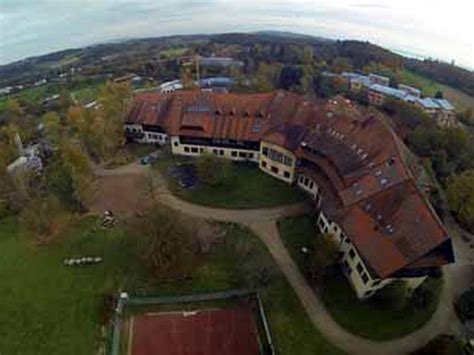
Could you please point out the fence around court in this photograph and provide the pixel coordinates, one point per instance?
(124, 301)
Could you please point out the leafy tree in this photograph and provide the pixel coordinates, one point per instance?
(77, 166)
(406, 115)
(267, 75)
(330, 86)
(100, 130)
(455, 140)
(52, 127)
(13, 110)
(290, 77)
(212, 170)
(341, 64)
(59, 181)
(167, 247)
(39, 217)
(439, 94)
(24, 125)
(322, 257)
(460, 194)
(464, 305)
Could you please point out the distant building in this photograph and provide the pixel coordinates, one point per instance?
(410, 90)
(439, 109)
(171, 86)
(379, 79)
(378, 93)
(377, 90)
(223, 62)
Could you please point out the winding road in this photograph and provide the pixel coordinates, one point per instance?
(262, 222)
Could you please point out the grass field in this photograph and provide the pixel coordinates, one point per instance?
(48, 308)
(86, 95)
(428, 87)
(370, 320)
(244, 187)
(174, 52)
(365, 318)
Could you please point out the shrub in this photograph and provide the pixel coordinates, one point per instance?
(167, 247)
(461, 198)
(212, 170)
(464, 305)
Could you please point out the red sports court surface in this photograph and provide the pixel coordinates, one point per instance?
(206, 332)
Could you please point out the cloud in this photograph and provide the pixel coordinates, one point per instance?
(435, 28)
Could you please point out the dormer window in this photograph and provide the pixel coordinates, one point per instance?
(259, 114)
(232, 112)
(217, 112)
(246, 114)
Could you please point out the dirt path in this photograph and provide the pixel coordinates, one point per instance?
(121, 188)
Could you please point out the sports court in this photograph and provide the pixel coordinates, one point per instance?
(230, 331)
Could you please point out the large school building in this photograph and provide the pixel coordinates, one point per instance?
(351, 164)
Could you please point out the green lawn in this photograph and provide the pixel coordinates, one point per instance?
(173, 52)
(86, 95)
(365, 318)
(428, 86)
(244, 187)
(48, 308)
(370, 320)
(297, 232)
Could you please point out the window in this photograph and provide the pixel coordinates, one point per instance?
(201, 150)
(274, 169)
(321, 224)
(359, 268)
(127, 129)
(287, 161)
(311, 184)
(214, 151)
(265, 151)
(250, 155)
(234, 153)
(364, 277)
(306, 181)
(242, 155)
(186, 149)
(264, 164)
(176, 144)
(221, 152)
(352, 253)
(368, 293)
(275, 156)
(194, 150)
(376, 283)
(286, 174)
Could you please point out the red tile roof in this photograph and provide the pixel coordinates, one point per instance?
(378, 204)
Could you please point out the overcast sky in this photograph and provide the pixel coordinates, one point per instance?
(439, 29)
